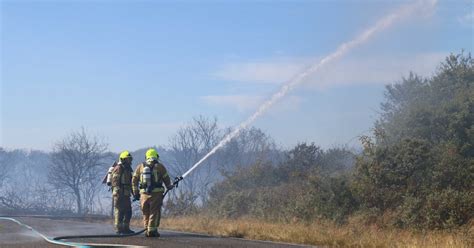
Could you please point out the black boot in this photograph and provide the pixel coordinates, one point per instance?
(118, 230)
(152, 234)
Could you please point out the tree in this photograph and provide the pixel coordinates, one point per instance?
(36, 196)
(304, 159)
(194, 141)
(76, 163)
(250, 146)
(420, 163)
(308, 184)
(189, 145)
(4, 157)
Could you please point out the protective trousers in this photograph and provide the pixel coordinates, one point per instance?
(122, 212)
(151, 209)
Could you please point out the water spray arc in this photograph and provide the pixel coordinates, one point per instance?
(380, 25)
(344, 48)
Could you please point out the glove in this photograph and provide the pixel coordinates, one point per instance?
(109, 184)
(170, 187)
(136, 197)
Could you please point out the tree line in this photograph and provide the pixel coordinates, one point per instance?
(416, 169)
(68, 179)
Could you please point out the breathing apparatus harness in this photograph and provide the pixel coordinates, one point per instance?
(149, 182)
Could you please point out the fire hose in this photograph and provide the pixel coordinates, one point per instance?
(59, 240)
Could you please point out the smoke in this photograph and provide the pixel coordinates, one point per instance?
(422, 6)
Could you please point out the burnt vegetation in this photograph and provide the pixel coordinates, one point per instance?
(415, 170)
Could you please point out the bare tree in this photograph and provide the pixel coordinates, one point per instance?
(75, 167)
(36, 198)
(189, 145)
(194, 141)
(250, 146)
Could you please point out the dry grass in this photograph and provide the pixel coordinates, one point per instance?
(321, 233)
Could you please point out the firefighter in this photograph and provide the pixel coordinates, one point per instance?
(147, 184)
(121, 181)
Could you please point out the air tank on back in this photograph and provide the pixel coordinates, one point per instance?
(147, 179)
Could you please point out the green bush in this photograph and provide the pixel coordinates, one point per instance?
(420, 164)
(417, 170)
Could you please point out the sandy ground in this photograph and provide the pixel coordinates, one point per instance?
(13, 235)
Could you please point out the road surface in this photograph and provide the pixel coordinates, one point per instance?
(13, 235)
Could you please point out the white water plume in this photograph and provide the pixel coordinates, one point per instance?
(405, 11)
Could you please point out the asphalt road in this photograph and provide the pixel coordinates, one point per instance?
(13, 235)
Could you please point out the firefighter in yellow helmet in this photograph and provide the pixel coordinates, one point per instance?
(121, 182)
(147, 183)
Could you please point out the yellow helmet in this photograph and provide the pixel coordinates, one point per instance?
(151, 154)
(124, 155)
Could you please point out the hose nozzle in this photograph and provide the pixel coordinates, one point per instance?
(175, 184)
(176, 180)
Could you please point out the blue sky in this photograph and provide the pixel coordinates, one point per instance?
(133, 72)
